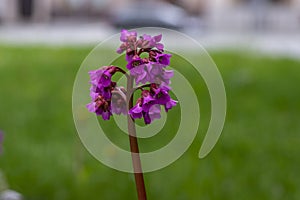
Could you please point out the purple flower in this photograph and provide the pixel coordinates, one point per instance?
(122, 48)
(148, 100)
(152, 73)
(141, 73)
(159, 75)
(105, 79)
(154, 112)
(161, 94)
(166, 76)
(104, 91)
(129, 56)
(101, 107)
(170, 104)
(118, 101)
(145, 108)
(129, 41)
(127, 36)
(101, 91)
(152, 42)
(95, 75)
(149, 69)
(147, 118)
(102, 76)
(163, 59)
(101, 81)
(108, 99)
(148, 106)
(134, 62)
(137, 110)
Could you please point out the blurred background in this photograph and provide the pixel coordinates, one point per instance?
(255, 44)
(270, 25)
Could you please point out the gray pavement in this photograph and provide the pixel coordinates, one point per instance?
(90, 34)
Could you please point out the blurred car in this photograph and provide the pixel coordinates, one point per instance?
(149, 14)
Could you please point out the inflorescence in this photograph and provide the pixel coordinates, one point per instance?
(146, 62)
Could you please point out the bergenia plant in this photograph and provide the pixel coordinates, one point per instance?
(147, 65)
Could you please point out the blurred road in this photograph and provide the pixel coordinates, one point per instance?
(85, 34)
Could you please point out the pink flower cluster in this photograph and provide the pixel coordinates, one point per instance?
(146, 62)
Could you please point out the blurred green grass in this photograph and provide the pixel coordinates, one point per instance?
(257, 156)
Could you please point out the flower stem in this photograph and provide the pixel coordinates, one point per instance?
(136, 161)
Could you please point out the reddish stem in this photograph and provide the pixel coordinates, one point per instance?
(136, 161)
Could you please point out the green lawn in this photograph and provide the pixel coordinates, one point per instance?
(257, 156)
